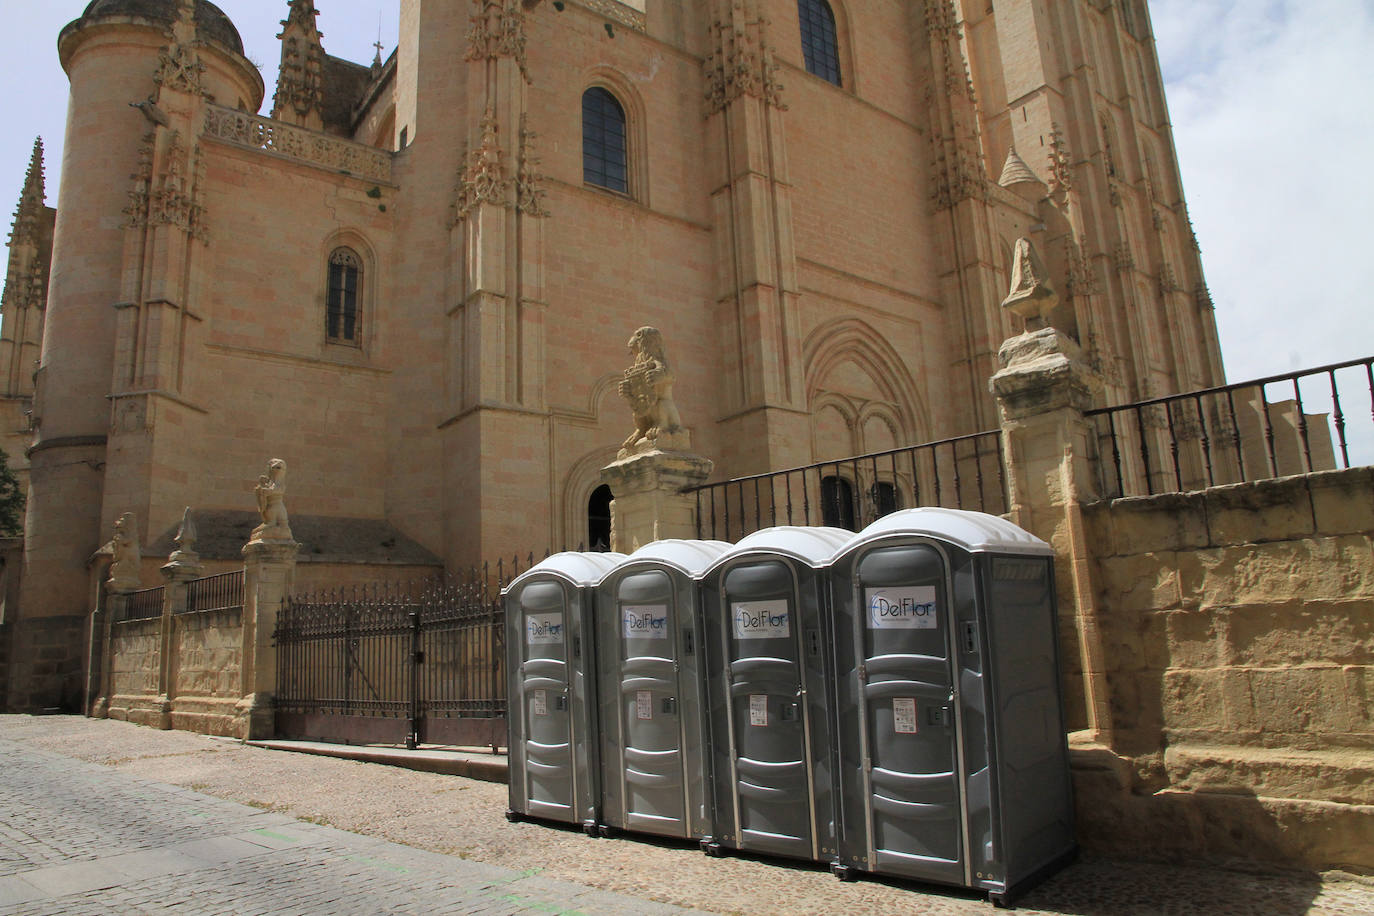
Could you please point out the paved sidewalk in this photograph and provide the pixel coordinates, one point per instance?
(79, 838)
(104, 817)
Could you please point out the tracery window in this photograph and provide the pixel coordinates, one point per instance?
(342, 322)
(605, 159)
(820, 43)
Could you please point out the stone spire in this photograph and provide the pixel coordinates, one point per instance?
(300, 80)
(30, 211)
(26, 283)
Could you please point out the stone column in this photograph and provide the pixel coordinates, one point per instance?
(269, 577)
(649, 504)
(1042, 390)
(109, 608)
(182, 568)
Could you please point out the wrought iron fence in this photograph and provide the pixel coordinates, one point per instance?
(144, 604)
(215, 593)
(414, 663)
(1265, 428)
(965, 472)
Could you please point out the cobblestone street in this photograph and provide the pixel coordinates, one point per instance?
(101, 817)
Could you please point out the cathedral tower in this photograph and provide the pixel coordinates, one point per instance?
(139, 70)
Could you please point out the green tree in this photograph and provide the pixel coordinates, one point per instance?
(11, 500)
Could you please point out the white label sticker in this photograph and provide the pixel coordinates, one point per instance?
(904, 715)
(758, 709)
(906, 607)
(539, 703)
(544, 629)
(645, 621)
(644, 704)
(762, 619)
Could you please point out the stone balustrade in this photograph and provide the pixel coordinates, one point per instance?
(333, 153)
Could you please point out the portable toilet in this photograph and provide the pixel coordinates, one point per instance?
(551, 677)
(653, 726)
(768, 677)
(953, 759)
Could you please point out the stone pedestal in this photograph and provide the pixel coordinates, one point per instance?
(649, 504)
(1043, 389)
(269, 577)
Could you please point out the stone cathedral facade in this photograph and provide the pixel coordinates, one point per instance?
(413, 280)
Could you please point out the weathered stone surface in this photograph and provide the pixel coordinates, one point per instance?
(1341, 775)
(1247, 513)
(1342, 501)
(1157, 524)
(1300, 632)
(1308, 569)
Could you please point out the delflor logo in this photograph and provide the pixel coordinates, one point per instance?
(544, 629)
(910, 607)
(645, 621)
(761, 619)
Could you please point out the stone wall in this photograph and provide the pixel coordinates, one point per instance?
(135, 670)
(206, 678)
(1237, 625)
(45, 671)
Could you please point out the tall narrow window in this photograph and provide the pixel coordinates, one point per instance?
(837, 502)
(341, 322)
(604, 147)
(820, 46)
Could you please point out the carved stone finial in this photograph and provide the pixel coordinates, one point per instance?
(648, 386)
(1030, 296)
(299, 98)
(184, 562)
(127, 565)
(271, 492)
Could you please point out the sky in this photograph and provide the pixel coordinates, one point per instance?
(1268, 99)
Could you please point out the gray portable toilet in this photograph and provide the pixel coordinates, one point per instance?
(953, 759)
(653, 726)
(772, 738)
(551, 677)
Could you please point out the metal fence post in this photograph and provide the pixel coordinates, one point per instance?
(417, 658)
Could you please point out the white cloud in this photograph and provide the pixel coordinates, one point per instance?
(1270, 109)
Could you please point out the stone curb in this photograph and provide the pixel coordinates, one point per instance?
(486, 767)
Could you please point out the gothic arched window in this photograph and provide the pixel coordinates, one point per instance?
(605, 149)
(342, 314)
(820, 43)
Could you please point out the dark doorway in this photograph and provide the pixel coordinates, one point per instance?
(599, 520)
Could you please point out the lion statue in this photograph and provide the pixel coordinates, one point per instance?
(648, 386)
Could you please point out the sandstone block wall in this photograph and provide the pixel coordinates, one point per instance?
(45, 671)
(206, 680)
(135, 664)
(1238, 624)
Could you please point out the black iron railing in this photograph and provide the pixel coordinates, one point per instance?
(1255, 430)
(961, 473)
(215, 593)
(144, 604)
(419, 663)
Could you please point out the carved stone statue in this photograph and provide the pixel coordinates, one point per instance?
(1030, 296)
(648, 386)
(271, 491)
(126, 568)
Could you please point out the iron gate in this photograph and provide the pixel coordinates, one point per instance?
(413, 663)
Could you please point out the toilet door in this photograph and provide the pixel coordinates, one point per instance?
(909, 710)
(769, 728)
(653, 783)
(550, 778)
